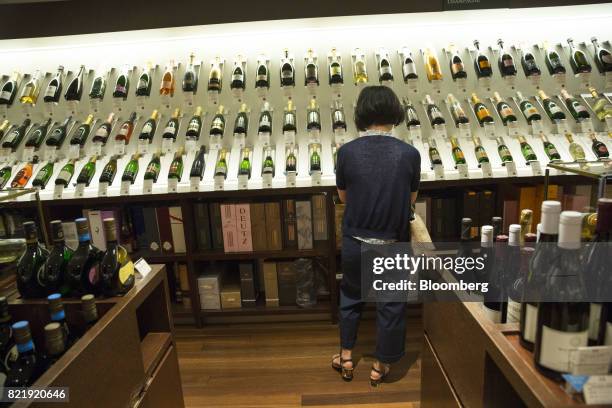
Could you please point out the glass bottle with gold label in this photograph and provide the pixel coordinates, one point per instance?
(360, 72)
(176, 167)
(456, 110)
(479, 151)
(601, 106)
(291, 162)
(481, 110)
(576, 151)
(598, 147)
(335, 68)
(503, 151)
(221, 166)
(527, 150)
(244, 169)
(503, 108)
(434, 154)
(116, 268)
(456, 151)
(29, 94)
(482, 64)
(315, 159)
(550, 149)
(167, 82)
(432, 65)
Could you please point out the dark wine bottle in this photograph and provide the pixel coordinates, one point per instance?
(153, 168)
(101, 135)
(578, 111)
(74, 91)
(495, 302)
(238, 76)
(87, 172)
(116, 268)
(89, 312)
(529, 111)
(289, 120)
(98, 85)
(506, 61)
(122, 84)
(217, 126)
(195, 125)
(313, 117)
(80, 135)
(482, 65)
(190, 78)
(148, 129)
(262, 80)
(175, 171)
(241, 124)
(578, 59)
(553, 61)
(599, 148)
(530, 65)
(412, 118)
(433, 112)
(215, 80)
(37, 134)
(109, 171)
(143, 87)
(54, 87)
(287, 71)
(83, 269)
(503, 108)
(26, 369)
(55, 345)
(15, 136)
(336, 77)
(549, 148)
(602, 57)
(198, 166)
(55, 267)
(58, 315)
(58, 134)
(513, 275)
(553, 110)
(31, 264)
(42, 177)
(311, 69)
(265, 119)
(9, 90)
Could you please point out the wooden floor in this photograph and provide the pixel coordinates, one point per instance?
(288, 365)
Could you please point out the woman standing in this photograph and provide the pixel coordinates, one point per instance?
(377, 176)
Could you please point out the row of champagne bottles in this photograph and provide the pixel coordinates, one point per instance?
(483, 68)
(21, 362)
(55, 134)
(74, 271)
(567, 259)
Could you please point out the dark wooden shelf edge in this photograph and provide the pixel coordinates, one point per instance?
(285, 253)
(154, 346)
(320, 307)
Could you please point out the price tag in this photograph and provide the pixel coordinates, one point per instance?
(489, 130)
(94, 105)
(167, 145)
(28, 154)
(288, 91)
(461, 84)
(120, 148)
(28, 109)
(239, 140)
(213, 97)
(188, 98)
(118, 104)
(464, 130)
(262, 92)
(172, 185)
(74, 151)
(3, 111)
(215, 142)
(463, 171)
(415, 132)
(336, 91)
(264, 138)
(58, 191)
(243, 181)
(103, 189)
(147, 187)
(559, 79)
(535, 80)
(219, 183)
(487, 171)
(315, 136)
(609, 124)
(312, 89)
(142, 267)
(340, 136)
(537, 127)
(585, 78)
(140, 102)
(590, 360)
(608, 80)
(238, 93)
(266, 180)
(6, 153)
(96, 149)
(513, 128)
(143, 146)
(387, 83)
(291, 176)
(125, 187)
(536, 169)
(510, 168)
(49, 108)
(194, 184)
(315, 177)
(438, 171)
(73, 106)
(585, 126)
(562, 126)
(79, 190)
(598, 390)
(440, 131)
(289, 138)
(485, 82)
(436, 84)
(50, 153)
(190, 145)
(510, 80)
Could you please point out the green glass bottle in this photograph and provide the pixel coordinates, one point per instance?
(434, 154)
(87, 172)
(576, 151)
(291, 162)
(550, 149)
(31, 264)
(505, 111)
(578, 59)
(55, 267)
(598, 147)
(503, 151)
(479, 151)
(456, 151)
(577, 110)
(529, 111)
(153, 168)
(315, 159)
(221, 166)
(5, 176)
(527, 150)
(43, 176)
(109, 171)
(131, 169)
(65, 174)
(601, 107)
(176, 167)
(268, 164)
(553, 110)
(245, 163)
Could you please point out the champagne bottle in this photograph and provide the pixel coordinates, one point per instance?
(143, 87)
(456, 110)
(122, 84)
(74, 91)
(109, 171)
(195, 125)
(117, 274)
(126, 129)
(527, 150)
(5, 176)
(238, 75)
(601, 106)
(176, 167)
(198, 166)
(262, 80)
(563, 325)
(153, 168)
(315, 159)
(287, 71)
(29, 94)
(172, 126)
(529, 63)
(22, 177)
(31, 264)
(602, 57)
(291, 162)
(37, 134)
(9, 89)
(458, 156)
(434, 155)
(103, 131)
(577, 110)
(313, 121)
(529, 111)
(190, 78)
(412, 119)
(87, 172)
(576, 151)
(338, 117)
(58, 134)
(98, 85)
(385, 72)
(131, 169)
(55, 345)
(506, 61)
(336, 76)
(503, 151)
(434, 113)
(432, 65)
(482, 65)
(456, 65)
(550, 149)
(26, 369)
(148, 128)
(43, 176)
(215, 81)
(482, 112)
(167, 83)
(217, 126)
(408, 66)
(505, 111)
(553, 61)
(13, 139)
(265, 119)
(54, 87)
(221, 166)
(65, 174)
(599, 148)
(79, 137)
(578, 59)
(289, 121)
(360, 71)
(83, 269)
(268, 163)
(244, 169)
(241, 124)
(4, 127)
(480, 152)
(553, 110)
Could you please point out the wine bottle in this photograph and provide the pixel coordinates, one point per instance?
(315, 159)
(412, 119)
(29, 93)
(434, 155)
(176, 167)
(576, 151)
(482, 65)
(55, 267)
(480, 152)
(457, 153)
(89, 311)
(338, 117)
(553, 110)
(506, 61)
(496, 299)
(31, 264)
(466, 247)
(103, 131)
(87, 172)
(238, 75)
(336, 76)
(553, 61)
(601, 106)
(265, 119)
(148, 128)
(37, 134)
(109, 171)
(519, 261)
(482, 112)
(65, 174)
(198, 166)
(23, 176)
(289, 121)
(492, 307)
(215, 80)
(313, 121)
(26, 369)
(529, 111)
(54, 87)
(498, 226)
(360, 71)
(122, 84)
(262, 80)
(456, 110)
(526, 149)
(434, 113)
(4, 127)
(244, 169)
(143, 87)
(385, 73)
(195, 125)
(9, 89)
(602, 57)
(287, 70)
(58, 315)
(74, 91)
(241, 124)
(13, 139)
(8, 349)
(268, 163)
(456, 65)
(217, 126)
(578, 59)
(43, 176)
(166, 87)
(172, 126)
(549, 148)
(98, 85)
(55, 345)
(563, 325)
(153, 168)
(408, 66)
(291, 162)
(58, 134)
(80, 135)
(599, 148)
(577, 110)
(221, 166)
(126, 129)
(432, 65)
(5, 176)
(529, 63)
(190, 78)
(117, 274)
(131, 169)
(505, 111)
(83, 269)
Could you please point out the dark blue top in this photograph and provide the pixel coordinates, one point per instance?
(378, 174)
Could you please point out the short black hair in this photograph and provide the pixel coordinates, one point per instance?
(378, 105)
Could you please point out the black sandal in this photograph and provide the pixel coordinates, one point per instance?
(345, 373)
(375, 382)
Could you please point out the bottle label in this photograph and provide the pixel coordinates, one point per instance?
(126, 272)
(6, 95)
(120, 89)
(167, 85)
(484, 64)
(513, 311)
(530, 110)
(554, 108)
(50, 90)
(237, 77)
(458, 67)
(217, 124)
(482, 112)
(170, 129)
(11, 136)
(102, 131)
(147, 128)
(493, 315)
(64, 175)
(194, 126)
(265, 121)
(505, 111)
(594, 318)
(385, 69)
(481, 153)
(336, 69)
(508, 62)
(557, 345)
(123, 131)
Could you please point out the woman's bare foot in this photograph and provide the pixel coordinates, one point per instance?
(347, 356)
(379, 372)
